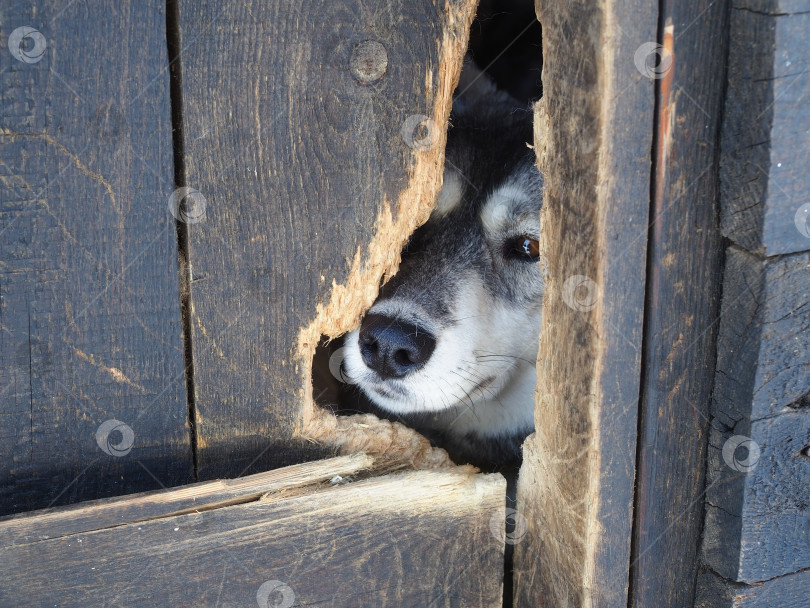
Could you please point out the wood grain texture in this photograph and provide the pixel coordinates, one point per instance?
(757, 521)
(302, 164)
(683, 302)
(593, 134)
(89, 306)
(764, 144)
(108, 512)
(763, 359)
(411, 539)
(791, 591)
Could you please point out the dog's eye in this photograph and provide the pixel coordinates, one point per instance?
(523, 248)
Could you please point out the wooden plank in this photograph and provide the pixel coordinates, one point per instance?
(763, 359)
(295, 139)
(791, 591)
(757, 522)
(764, 145)
(107, 512)
(411, 539)
(683, 302)
(757, 519)
(593, 133)
(89, 307)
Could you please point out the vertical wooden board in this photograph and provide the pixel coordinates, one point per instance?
(683, 302)
(302, 145)
(422, 539)
(792, 591)
(89, 308)
(767, 113)
(593, 132)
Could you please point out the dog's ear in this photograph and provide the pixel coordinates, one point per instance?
(476, 87)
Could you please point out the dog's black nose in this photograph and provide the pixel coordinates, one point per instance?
(394, 348)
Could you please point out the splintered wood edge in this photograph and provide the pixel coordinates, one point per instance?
(104, 513)
(349, 301)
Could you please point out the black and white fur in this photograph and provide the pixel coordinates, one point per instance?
(450, 344)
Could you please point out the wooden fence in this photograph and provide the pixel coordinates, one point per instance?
(194, 194)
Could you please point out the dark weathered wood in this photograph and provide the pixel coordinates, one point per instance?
(763, 360)
(107, 512)
(683, 301)
(300, 155)
(764, 141)
(791, 591)
(411, 539)
(593, 133)
(89, 306)
(757, 521)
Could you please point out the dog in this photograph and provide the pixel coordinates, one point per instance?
(449, 346)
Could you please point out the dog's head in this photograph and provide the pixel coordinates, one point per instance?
(462, 314)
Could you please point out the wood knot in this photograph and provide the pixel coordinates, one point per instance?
(369, 61)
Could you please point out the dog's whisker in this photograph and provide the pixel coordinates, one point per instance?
(447, 345)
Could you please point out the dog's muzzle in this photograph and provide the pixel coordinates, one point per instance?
(394, 348)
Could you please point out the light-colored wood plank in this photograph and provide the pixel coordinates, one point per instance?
(593, 138)
(410, 539)
(105, 513)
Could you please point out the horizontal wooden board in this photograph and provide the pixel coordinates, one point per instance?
(791, 591)
(203, 496)
(409, 539)
(758, 518)
(764, 146)
(758, 498)
(763, 359)
(90, 327)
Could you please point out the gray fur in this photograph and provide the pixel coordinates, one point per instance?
(460, 252)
